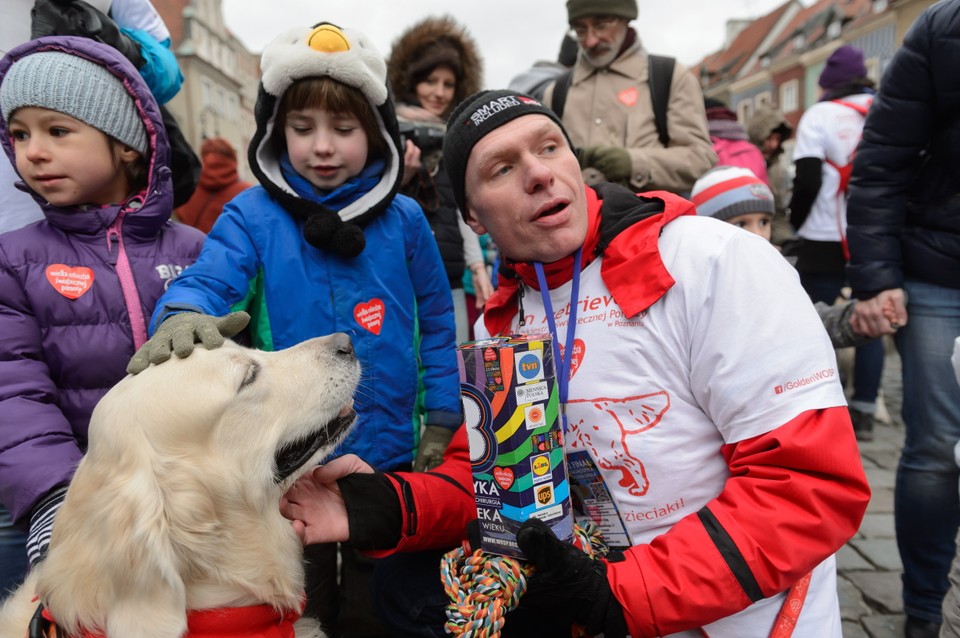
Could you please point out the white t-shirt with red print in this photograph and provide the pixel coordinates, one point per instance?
(829, 132)
(654, 397)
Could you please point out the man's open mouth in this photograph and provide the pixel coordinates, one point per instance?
(552, 210)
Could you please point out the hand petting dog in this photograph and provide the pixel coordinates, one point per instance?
(314, 504)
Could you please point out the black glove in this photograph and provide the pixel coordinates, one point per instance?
(569, 582)
(74, 17)
(181, 332)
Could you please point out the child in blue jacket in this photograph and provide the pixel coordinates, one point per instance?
(325, 244)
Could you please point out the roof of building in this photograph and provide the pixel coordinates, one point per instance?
(727, 63)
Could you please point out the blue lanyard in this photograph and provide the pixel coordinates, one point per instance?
(563, 364)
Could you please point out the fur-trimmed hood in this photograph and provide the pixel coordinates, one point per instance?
(765, 121)
(347, 56)
(428, 43)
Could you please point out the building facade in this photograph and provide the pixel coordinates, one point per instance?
(782, 67)
(220, 76)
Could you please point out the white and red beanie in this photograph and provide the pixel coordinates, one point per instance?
(727, 191)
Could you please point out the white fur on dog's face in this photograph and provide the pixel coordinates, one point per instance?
(175, 505)
(232, 405)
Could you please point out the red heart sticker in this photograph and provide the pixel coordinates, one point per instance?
(629, 96)
(503, 476)
(370, 315)
(71, 282)
(579, 350)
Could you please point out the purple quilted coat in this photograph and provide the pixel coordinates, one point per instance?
(76, 291)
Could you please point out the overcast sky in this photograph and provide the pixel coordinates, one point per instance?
(511, 34)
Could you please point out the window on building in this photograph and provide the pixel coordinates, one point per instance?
(873, 68)
(879, 6)
(206, 92)
(744, 110)
(790, 96)
(833, 31)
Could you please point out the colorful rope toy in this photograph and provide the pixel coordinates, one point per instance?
(483, 587)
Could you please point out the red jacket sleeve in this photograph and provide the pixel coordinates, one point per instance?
(795, 495)
(436, 505)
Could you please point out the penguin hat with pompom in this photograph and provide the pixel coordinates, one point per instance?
(346, 56)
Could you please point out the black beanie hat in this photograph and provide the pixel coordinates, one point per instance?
(473, 119)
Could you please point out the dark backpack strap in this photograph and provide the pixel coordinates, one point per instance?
(660, 77)
(560, 89)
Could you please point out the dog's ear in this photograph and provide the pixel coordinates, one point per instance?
(115, 563)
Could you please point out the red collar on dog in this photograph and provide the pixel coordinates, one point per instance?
(257, 621)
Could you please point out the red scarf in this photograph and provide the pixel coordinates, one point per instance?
(632, 269)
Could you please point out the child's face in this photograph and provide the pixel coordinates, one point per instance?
(325, 148)
(66, 161)
(756, 223)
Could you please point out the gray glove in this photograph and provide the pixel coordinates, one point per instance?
(433, 444)
(181, 332)
(836, 320)
(41, 525)
(614, 162)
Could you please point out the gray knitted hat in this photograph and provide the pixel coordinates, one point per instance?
(77, 87)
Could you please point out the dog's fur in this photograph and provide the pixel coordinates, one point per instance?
(175, 506)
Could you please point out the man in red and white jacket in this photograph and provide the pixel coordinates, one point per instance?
(726, 447)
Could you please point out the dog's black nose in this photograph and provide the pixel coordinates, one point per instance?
(342, 343)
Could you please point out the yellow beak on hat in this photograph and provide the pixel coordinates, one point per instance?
(327, 39)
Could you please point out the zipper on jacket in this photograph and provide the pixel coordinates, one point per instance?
(520, 314)
(128, 285)
(409, 504)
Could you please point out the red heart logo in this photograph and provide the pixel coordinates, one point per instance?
(629, 96)
(503, 476)
(71, 282)
(370, 315)
(579, 350)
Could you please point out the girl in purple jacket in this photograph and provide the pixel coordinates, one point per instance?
(76, 289)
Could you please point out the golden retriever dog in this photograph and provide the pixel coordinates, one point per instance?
(174, 510)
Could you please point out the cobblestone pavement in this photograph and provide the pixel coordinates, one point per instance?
(869, 565)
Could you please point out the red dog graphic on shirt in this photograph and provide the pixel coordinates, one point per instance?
(633, 415)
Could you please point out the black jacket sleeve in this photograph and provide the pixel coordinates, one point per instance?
(889, 163)
(373, 511)
(806, 187)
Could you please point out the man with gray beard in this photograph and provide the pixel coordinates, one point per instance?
(608, 105)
